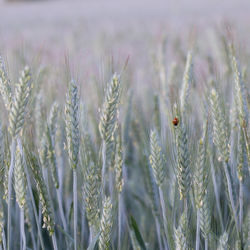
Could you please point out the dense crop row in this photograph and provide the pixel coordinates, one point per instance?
(180, 180)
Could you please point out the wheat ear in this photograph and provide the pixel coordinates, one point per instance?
(157, 162)
(48, 219)
(220, 139)
(240, 93)
(181, 237)
(119, 181)
(223, 242)
(183, 165)
(91, 196)
(16, 121)
(20, 101)
(186, 82)
(73, 142)
(200, 186)
(156, 158)
(108, 119)
(5, 86)
(106, 225)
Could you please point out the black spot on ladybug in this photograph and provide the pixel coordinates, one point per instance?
(175, 121)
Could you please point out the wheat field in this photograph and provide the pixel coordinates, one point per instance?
(128, 136)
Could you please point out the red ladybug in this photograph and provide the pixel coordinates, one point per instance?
(175, 121)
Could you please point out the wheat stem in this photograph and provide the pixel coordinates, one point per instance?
(206, 243)
(54, 241)
(40, 222)
(197, 242)
(119, 219)
(163, 208)
(75, 206)
(22, 229)
(4, 240)
(230, 192)
(33, 204)
(216, 193)
(241, 200)
(13, 152)
(60, 205)
(33, 238)
(158, 230)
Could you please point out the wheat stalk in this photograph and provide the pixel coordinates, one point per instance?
(157, 162)
(200, 190)
(109, 111)
(72, 124)
(48, 219)
(73, 142)
(16, 121)
(220, 139)
(1, 223)
(108, 119)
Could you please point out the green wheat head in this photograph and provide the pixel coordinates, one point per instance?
(186, 82)
(5, 86)
(106, 225)
(20, 179)
(156, 158)
(48, 219)
(205, 216)
(51, 154)
(240, 93)
(181, 237)
(39, 119)
(119, 164)
(223, 242)
(72, 124)
(201, 173)
(109, 110)
(20, 100)
(43, 151)
(91, 194)
(220, 134)
(183, 161)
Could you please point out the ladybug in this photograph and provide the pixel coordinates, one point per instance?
(175, 121)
